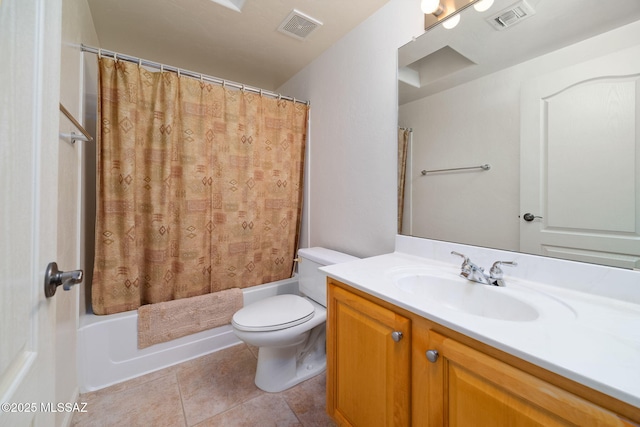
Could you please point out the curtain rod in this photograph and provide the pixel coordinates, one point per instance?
(180, 71)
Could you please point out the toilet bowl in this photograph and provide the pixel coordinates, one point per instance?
(289, 330)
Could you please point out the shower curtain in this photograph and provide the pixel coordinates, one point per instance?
(199, 187)
(403, 144)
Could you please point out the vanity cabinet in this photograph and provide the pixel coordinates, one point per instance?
(468, 387)
(368, 357)
(434, 376)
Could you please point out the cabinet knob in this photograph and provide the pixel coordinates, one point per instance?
(396, 335)
(432, 355)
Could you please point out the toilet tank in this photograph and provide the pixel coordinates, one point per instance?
(312, 282)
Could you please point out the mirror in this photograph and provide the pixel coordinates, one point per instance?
(472, 97)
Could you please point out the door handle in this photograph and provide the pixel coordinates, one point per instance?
(54, 278)
(530, 217)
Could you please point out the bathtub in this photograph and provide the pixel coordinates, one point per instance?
(108, 345)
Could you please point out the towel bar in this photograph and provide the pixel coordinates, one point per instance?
(85, 135)
(484, 167)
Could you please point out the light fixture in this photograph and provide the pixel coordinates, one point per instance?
(448, 12)
(451, 21)
(483, 5)
(431, 7)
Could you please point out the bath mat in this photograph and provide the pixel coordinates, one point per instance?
(169, 320)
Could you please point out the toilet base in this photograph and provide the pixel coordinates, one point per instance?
(280, 368)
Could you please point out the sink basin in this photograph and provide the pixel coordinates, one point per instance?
(473, 298)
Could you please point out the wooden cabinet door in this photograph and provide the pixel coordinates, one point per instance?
(367, 370)
(470, 388)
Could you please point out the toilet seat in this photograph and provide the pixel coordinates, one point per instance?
(273, 313)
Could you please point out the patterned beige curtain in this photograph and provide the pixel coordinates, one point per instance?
(403, 144)
(199, 187)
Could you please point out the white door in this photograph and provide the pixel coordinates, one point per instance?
(29, 86)
(580, 162)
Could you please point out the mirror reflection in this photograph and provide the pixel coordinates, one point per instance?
(549, 103)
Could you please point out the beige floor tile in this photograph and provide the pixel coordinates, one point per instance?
(116, 388)
(150, 403)
(214, 390)
(265, 411)
(217, 382)
(308, 402)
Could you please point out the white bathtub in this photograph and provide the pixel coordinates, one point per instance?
(108, 345)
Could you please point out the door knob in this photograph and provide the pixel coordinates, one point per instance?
(432, 356)
(396, 336)
(530, 217)
(54, 278)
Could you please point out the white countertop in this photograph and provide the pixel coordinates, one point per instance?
(589, 338)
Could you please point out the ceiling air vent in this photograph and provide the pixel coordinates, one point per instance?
(298, 25)
(512, 15)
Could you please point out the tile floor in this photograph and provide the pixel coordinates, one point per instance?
(213, 390)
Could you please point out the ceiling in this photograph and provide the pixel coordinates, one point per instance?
(441, 58)
(205, 37)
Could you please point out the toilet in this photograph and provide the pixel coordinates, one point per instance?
(289, 330)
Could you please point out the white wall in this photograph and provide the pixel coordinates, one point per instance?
(467, 125)
(479, 122)
(77, 27)
(351, 167)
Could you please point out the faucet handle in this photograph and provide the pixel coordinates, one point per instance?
(466, 259)
(495, 274)
(466, 268)
(496, 271)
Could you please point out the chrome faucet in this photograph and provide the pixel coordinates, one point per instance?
(474, 273)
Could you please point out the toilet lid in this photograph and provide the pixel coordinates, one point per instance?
(273, 313)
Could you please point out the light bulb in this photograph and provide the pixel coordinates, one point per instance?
(450, 23)
(483, 5)
(429, 6)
